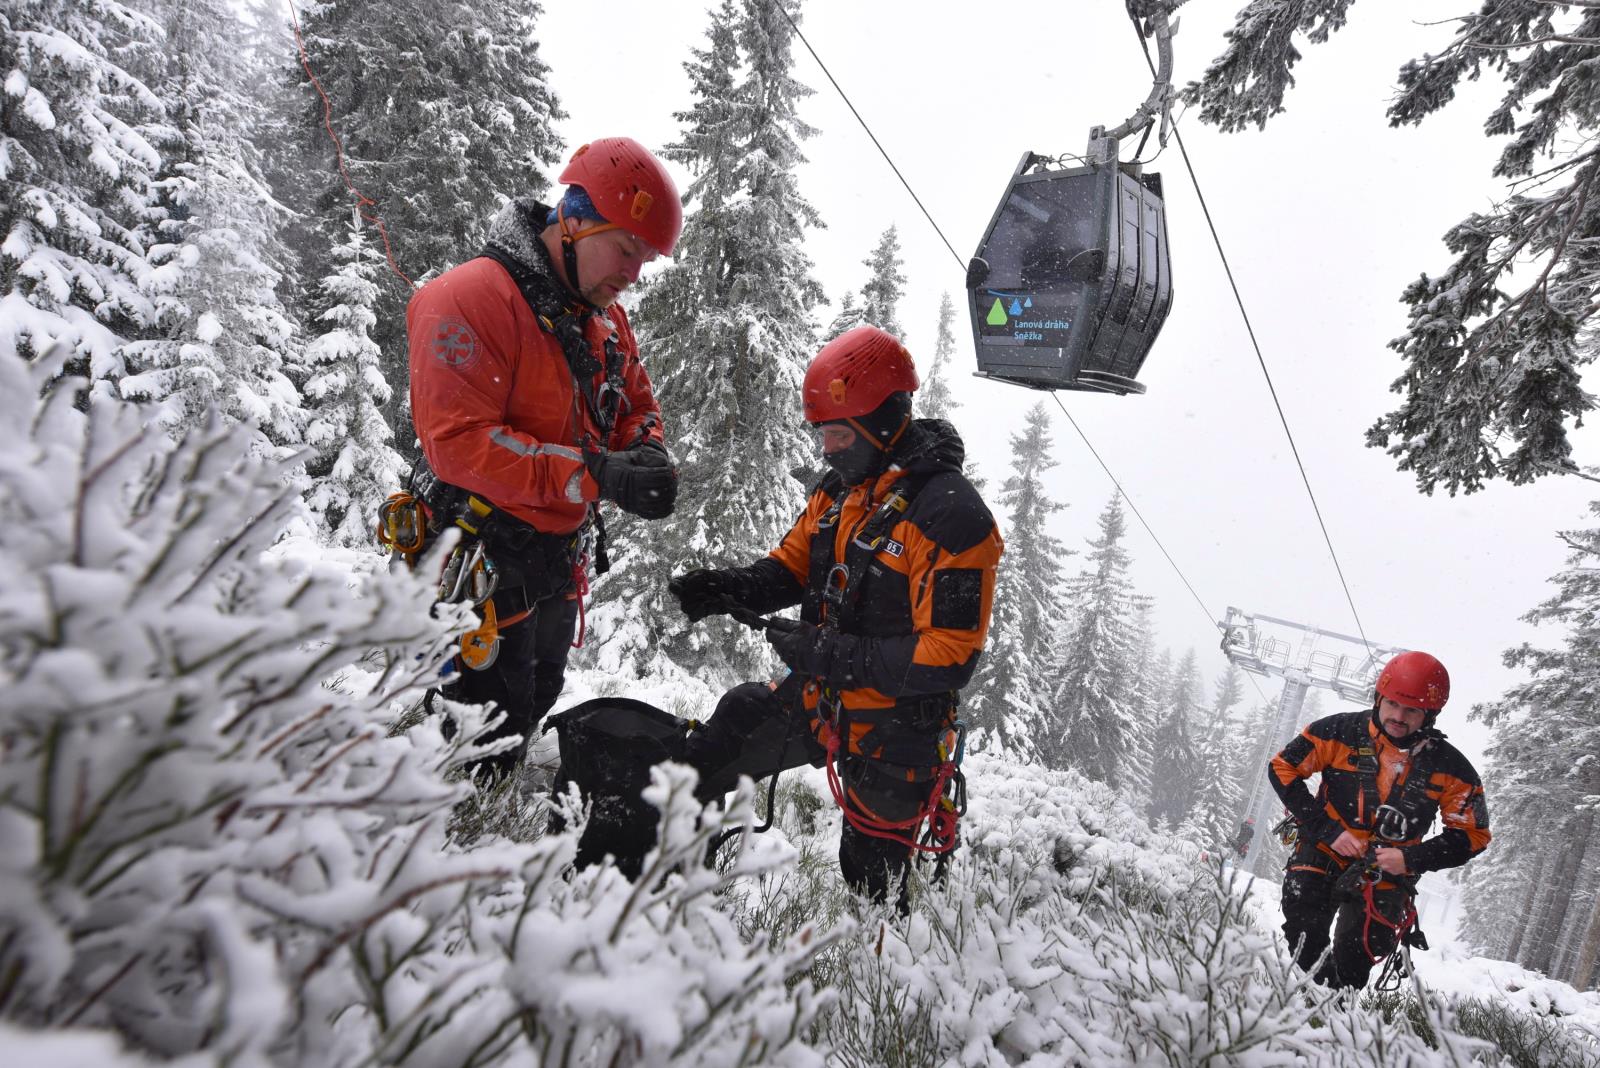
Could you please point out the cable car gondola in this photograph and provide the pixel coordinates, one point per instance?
(1072, 280)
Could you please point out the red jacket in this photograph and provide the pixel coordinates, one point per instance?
(494, 403)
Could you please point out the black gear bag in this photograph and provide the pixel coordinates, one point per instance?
(608, 746)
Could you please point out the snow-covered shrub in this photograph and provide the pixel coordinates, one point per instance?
(1524, 1039)
(1069, 933)
(176, 741)
(653, 972)
(213, 844)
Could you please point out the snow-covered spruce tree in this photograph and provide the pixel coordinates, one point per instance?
(1213, 818)
(222, 340)
(849, 316)
(726, 332)
(212, 843)
(1493, 376)
(444, 110)
(1092, 726)
(356, 465)
(75, 175)
(1176, 742)
(880, 295)
(934, 398)
(1544, 796)
(1147, 681)
(1236, 719)
(885, 285)
(1009, 694)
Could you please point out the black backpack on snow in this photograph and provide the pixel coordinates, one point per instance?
(608, 746)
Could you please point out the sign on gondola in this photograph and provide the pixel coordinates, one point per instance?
(1072, 280)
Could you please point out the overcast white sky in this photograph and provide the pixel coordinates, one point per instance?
(1325, 218)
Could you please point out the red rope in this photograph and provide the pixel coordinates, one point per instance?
(1407, 918)
(942, 821)
(580, 578)
(363, 202)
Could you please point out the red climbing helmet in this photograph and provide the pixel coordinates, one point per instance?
(631, 188)
(1415, 680)
(856, 372)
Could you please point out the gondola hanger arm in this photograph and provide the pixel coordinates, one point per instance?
(1158, 23)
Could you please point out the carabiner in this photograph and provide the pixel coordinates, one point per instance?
(483, 579)
(837, 582)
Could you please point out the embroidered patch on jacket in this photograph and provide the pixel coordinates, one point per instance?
(958, 598)
(454, 344)
(893, 548)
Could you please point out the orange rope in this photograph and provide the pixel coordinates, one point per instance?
(363, 202)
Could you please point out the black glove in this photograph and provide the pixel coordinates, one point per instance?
(805, 647)
(706, 593)
(640, 480)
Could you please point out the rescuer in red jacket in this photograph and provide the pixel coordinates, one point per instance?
(531, 405)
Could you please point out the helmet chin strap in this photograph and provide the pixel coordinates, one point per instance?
(881, 446)
(570, 236)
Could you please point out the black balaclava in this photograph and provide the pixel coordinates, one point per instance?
(876, 433)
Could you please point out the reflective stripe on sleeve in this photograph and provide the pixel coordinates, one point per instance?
(522, 448)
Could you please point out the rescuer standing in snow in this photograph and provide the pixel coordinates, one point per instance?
(531, 404)
(1386, 774)
(893, 566)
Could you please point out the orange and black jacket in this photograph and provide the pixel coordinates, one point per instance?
(1362, 769)
(919, 612)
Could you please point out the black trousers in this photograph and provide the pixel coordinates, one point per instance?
(758, 731)
(525, 678)
(1311, 906)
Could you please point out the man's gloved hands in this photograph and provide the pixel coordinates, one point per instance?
(706, 593)
(803, 646)
(640, 480)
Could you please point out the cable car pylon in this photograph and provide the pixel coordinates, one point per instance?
(1072, 280)
(1304, 657)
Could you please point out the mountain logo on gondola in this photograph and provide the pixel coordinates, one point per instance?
(1016, 307)
(997, 314)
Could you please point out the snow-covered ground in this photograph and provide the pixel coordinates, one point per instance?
(1071, 933)
(1449, 967)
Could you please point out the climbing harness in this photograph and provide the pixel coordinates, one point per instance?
(468, 573)
(947, 796)
(943, 809)
(840, 588)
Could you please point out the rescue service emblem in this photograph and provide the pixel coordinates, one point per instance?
(454, 344)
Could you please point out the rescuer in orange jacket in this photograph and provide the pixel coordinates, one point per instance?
(1386, 774)
(530, 400)
(893, 565)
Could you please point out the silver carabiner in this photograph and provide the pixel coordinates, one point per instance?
(1390, 824)
(483, 578)
(833, 592)
(457, 579)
